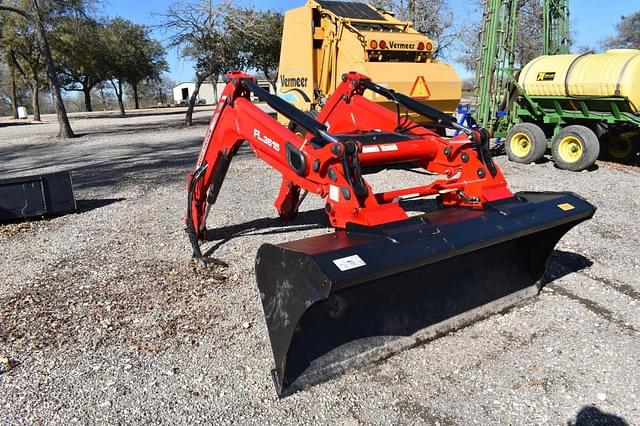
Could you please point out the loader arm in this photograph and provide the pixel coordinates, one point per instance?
(332, 165)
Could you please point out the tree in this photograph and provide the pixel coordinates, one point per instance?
(628, 33)
(11, 94)
(148, 64)
(530, 34)
(40, 14)
(433, 18)
(259, 35)
(24, 56)
(198, 30)
(79, 50)
(156, 90)
(132, 56)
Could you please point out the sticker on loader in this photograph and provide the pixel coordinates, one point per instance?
(566, 207)
(350, 262)
(420, 90)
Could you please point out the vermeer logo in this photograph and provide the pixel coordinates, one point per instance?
(546, 76)
(293, 81)
(394, 45)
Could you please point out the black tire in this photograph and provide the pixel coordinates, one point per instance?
(526, 143)
(575, 148)
(620, 146)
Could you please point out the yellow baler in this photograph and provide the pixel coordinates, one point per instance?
(322, 40)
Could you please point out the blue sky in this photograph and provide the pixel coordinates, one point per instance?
(592, 20)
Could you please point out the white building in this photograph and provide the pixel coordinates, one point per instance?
(207, 95)
(183, 91)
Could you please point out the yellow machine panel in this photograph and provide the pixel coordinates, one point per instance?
(325, 39)
(613, 73)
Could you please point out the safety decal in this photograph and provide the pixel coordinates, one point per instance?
(420, 90)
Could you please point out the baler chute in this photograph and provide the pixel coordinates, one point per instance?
(340, 299)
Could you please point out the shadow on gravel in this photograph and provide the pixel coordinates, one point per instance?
(562, 263)
(19, 123)
(311, 219)
(142, 163)
(592, 416)
(88, 205)
(140, 128)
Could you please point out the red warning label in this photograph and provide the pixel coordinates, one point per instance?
(420, 90)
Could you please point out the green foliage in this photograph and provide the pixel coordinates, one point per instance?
(130, 53)
(23, 54)
(79, 51)
(22, 49)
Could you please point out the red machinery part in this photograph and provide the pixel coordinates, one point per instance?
(325, 168)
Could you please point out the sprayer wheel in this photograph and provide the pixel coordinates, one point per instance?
(526, 143)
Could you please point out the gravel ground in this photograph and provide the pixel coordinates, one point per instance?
(104, 319)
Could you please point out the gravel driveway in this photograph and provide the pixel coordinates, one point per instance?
(103, 318)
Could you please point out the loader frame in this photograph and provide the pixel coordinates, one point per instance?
(332, 165)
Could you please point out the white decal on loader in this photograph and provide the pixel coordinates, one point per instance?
(349, 262)
(334, 193)
(370, 148)
(266, 140)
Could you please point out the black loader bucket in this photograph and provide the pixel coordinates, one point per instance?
(350, 297)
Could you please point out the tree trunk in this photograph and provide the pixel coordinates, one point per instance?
(118, 90)
(161, 94)
(87, 98)
(35, 100)
(63, 120)
(192, 100)
(14, 93)
(134, 86)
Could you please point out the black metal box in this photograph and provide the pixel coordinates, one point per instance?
(39, 195)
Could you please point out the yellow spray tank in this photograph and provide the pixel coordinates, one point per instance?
(613, 73)
(580, 106)
(324, 39)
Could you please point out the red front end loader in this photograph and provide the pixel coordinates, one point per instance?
(344, 298)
